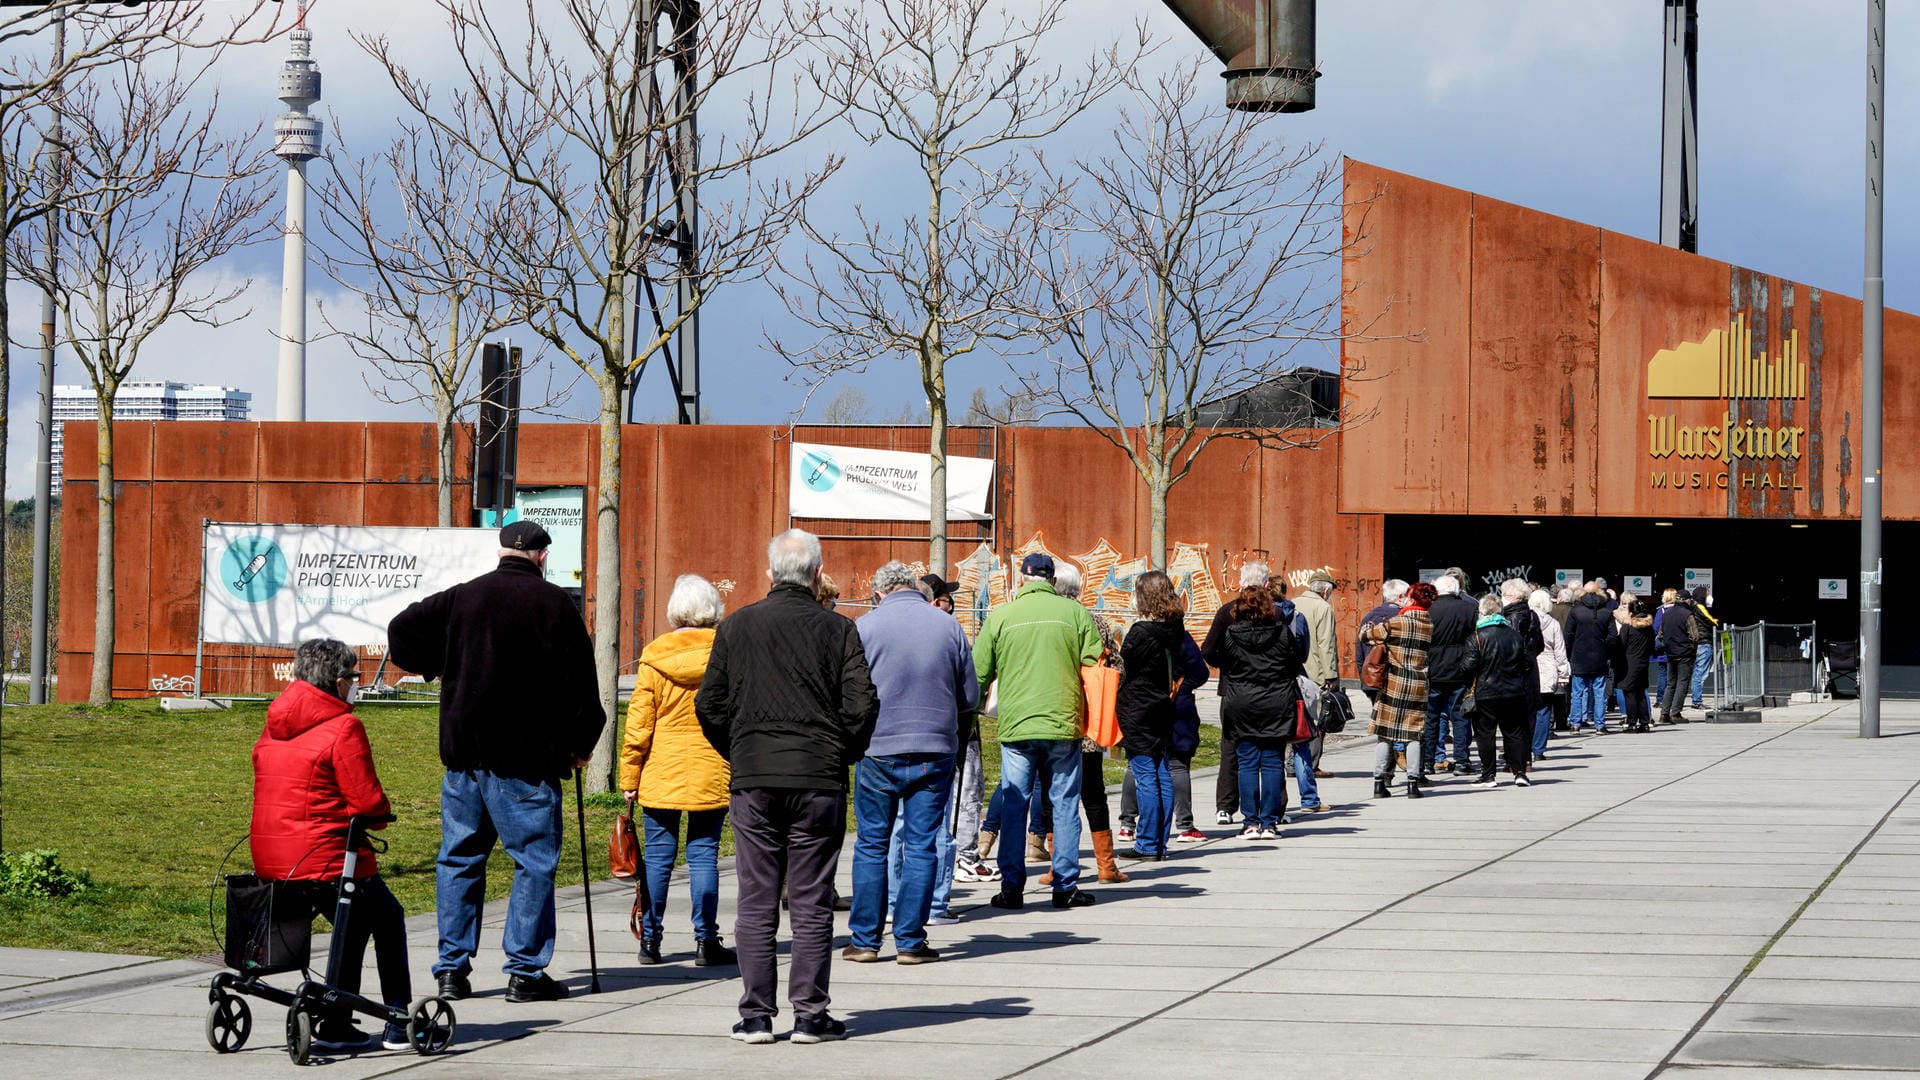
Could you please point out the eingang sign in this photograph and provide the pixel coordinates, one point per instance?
(284, 584)
(1723, 366)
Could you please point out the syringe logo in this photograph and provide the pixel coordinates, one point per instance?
(253, 568)
(819, 471)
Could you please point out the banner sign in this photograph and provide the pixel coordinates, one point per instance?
(1429, 575)
(284, 584)
(1833, 588)
(1638, 584)
(881, 485)
(1697, 576)
(562, 511)
(1570, 576)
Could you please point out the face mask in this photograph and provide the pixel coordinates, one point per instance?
(353, 692)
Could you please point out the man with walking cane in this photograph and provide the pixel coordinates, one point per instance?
(518, 711)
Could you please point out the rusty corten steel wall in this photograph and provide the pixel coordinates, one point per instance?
(699, 500)
(1509, 371)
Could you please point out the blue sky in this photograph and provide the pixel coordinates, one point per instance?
(1553, 104)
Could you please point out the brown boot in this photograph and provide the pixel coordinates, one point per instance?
(1103, 855)
(1047, 878)
(985, 846)
(1037, 849)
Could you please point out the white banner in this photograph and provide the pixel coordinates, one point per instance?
(1638, 584)
(1569, 576)
(881, 485)
(284, 584)
(1699, 575)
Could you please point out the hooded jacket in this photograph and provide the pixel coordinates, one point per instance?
(1590, 634)
(1259, 665)
(664, 755)
(518, 694)
(1636, 652)
(1144, 705)
(312, 770)
(787, 698)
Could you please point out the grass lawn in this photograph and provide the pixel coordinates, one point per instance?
(148, 803)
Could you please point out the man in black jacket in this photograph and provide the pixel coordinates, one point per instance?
(1453, 617)
(519, 709)
(1590, 634)
(789, 702)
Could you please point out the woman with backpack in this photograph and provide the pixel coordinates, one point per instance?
(1260, 662)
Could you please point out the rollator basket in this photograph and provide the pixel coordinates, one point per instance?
(269, 926)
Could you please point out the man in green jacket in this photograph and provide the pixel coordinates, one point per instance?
(1035, 646)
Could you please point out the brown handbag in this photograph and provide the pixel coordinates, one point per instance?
(1373, 673)
(623, 848)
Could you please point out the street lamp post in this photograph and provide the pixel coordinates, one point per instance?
(1874, 297)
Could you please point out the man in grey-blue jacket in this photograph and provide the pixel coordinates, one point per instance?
(923, 675)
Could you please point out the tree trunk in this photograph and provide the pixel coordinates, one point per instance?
(1157, 509)
(443, 482)
(606, 584)
(937, 484)
(100, 690)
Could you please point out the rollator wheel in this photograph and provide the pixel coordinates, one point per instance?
(229, 1022)
(430, 1026)
(299, 1034)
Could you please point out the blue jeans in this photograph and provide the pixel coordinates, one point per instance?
(1303, 775)
(1660, 675)
(1542, 726)
(1153, 795)
(1443, 714)
(943, 855)
(476, 808)
(1263, 785)
(1589, 702)
(1702, 660)
(914, 785)
(1021, 763)
(703, 867)
(1036, 816)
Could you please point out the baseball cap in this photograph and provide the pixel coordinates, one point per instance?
(1037, 565)
(940, 586)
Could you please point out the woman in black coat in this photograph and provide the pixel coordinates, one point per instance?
(1636, 668)
(1260, 669)
(1144, 706)
(1502, 674)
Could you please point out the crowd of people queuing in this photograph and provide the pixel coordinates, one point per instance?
(756, 718)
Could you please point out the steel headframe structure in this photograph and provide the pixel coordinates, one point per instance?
(664, 182)
(1266, 45)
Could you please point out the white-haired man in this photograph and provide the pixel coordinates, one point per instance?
(923, 672)
(1255, 574)
(1453, 617)
(789, 702)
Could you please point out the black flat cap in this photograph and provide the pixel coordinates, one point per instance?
(524, 536)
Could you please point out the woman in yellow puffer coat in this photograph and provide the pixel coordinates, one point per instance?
(669, 768)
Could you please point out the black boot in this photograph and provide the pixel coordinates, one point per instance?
(1413, 788)
(1380, 790)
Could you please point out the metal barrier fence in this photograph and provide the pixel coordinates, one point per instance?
(1753, 663)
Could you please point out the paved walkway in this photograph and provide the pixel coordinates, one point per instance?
(1708, 901)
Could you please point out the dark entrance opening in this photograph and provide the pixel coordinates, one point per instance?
(1762, 570)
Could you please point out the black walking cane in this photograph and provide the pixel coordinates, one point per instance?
(586, 877)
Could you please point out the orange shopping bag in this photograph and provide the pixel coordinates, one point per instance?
(1102, 685)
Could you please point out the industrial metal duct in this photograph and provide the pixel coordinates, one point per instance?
(1267, 46)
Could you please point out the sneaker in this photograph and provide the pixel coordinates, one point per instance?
(454, 985)
(1190, 836)
(757, 1031)
(945, 918)
(1123, 834)
(920, 954)
(1487, 779)
(1269, 834)
(339, 1033)
(976, 872)
(395, 1038)
(710, 953)
(818, 1029)
(1073, 898)
(1522, 781)
(1251, 832)
(541, 987)
(1224, 817)
(854, 954)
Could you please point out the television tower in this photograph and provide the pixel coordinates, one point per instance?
(296, 140)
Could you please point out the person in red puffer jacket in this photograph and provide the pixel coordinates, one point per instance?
(312, 771)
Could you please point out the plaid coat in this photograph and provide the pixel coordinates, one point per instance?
(1400, 712)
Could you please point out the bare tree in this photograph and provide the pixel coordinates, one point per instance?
(952, 86)
(848, 406)
(1184, 266)
(1015, 408)
(403, 229)
(157, 193)
(579, 108)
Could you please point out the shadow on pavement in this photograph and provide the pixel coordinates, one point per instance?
(876, 1021)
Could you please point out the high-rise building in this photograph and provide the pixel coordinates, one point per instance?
(150, 400)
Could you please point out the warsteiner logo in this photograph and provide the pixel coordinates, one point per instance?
(1723, 365)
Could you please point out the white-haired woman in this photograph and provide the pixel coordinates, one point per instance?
(670, 769)
(1555, 673)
